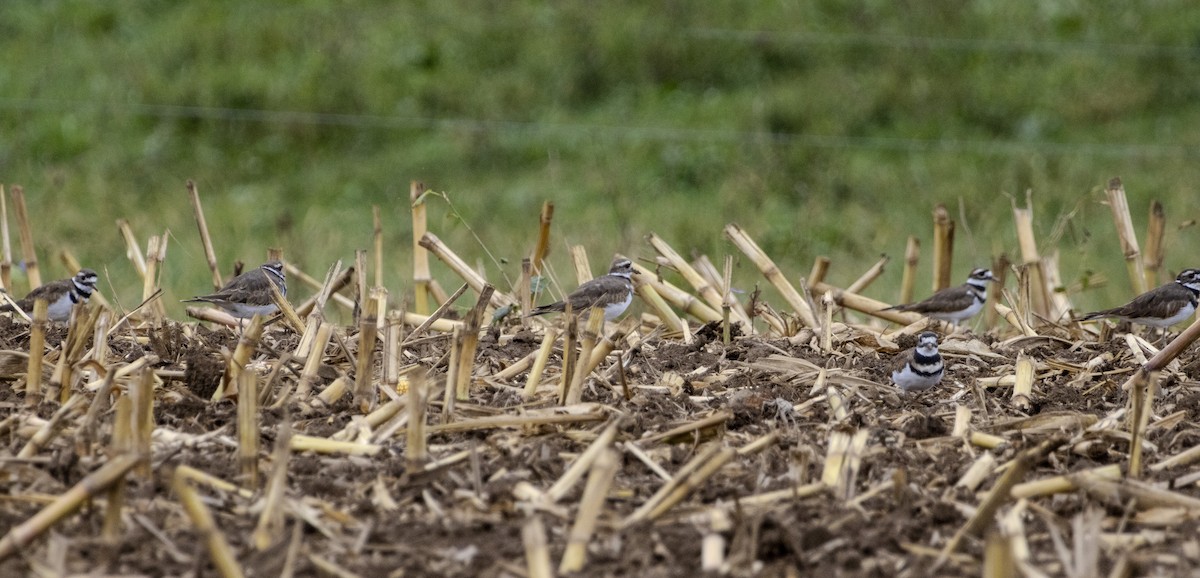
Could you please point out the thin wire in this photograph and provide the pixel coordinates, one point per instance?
(614, 132)
(975, 45)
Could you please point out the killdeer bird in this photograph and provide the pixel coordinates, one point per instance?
(612, 292)
(954, 304)
(249, 294)
(1160, 307)
(60, 295)
(919, 368)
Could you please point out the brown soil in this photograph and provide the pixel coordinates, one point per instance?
(381, 516)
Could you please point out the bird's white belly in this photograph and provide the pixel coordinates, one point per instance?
(909, 380)
(59, 310)
(244, 311)
(1184, 312)
(957, 316)
(613, 310)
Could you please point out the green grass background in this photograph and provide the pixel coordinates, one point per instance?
(823, 128)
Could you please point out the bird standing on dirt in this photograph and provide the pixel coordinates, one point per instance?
(60, 295)
(1160, 307)
(612, 292)
(921, 367)
(954, 304)
(249, 294)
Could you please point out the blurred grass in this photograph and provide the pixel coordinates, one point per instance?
(822, 128)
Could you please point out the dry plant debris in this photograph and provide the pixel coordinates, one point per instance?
(655, 449)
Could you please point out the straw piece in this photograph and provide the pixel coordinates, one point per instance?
(600, 479)
(798, 302)
(202, 519)
(867, 305)
(713, 420)
(306, 443)
(525, 290)
(421, 273)
(142, 393)
(797, 492)
(333, 392)
(381, 415)
(820, 268)
(1060, 303)
(247, 427)
(609, 342)
(1123, 222)
(1063, 484)
(943, 247)
(1001, 492)
(1127, 493)
(674, 295)
(416, 450)
(209, 254)
(451, 393)
(1023, 389)
(542, 248)
(569, 357)
(121, 445)
(335, 280)
(712, 549)
(270, 527)
(583, 463)
(514, 369)
(1155, 249)
(213, 315)
(37, 345)
(470, 343)
(1013, 319)
(962, 421)
(537, 551)
(707, 290)
(827, 306)
(1141, 400)
(26, 236)
(701, 462)
(869, 276)
(132, 250)
(583, 270)
(499, 421)
(378, 237)
(156, 253)
(908, 280)
(360, 284)
(460, 267)
(587, 343)
(312, 362)
(984, 440)
(64, 505)
(645, 289)
(980, 469)
(1031, 261)
(539, 363)
(5, 245)
(392, 354)
(365, 391)
(246, 347)
(290, 317)
(723, 281)
(50, 428)
(999, 558)
(434, 321)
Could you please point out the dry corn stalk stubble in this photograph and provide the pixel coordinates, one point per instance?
(738, 433)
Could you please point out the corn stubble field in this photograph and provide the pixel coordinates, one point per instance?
(706, 430)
